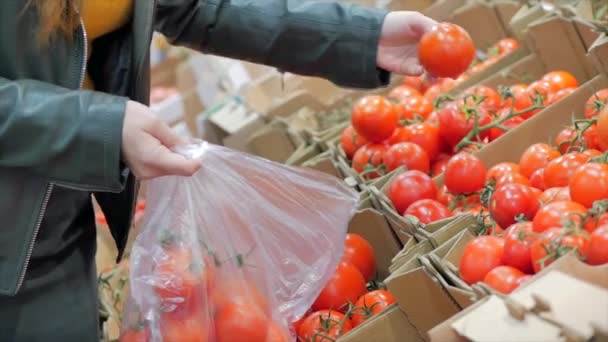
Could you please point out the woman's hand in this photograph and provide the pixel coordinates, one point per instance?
(398, 47)
(147, 143)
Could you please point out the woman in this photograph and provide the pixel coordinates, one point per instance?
(74, 84)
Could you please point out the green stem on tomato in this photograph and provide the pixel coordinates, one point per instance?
(467, 140)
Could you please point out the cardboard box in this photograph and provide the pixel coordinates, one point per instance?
(373, 226)
(581, 299)
(391, 325)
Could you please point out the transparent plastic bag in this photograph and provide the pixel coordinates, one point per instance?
(236, 252)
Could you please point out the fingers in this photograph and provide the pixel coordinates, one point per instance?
(170, 163)
(164, 163)
(165, 135)
(422, 24)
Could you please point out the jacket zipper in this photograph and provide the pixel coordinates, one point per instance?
(49, 189)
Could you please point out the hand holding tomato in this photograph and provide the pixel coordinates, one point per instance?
(398, 46)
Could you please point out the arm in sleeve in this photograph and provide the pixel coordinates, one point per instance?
(337, 41)
(73, 138)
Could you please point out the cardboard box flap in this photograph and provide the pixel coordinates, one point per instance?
(391, 325)
(422, 298)
(409, 5)
(324, 164)
(407, 256)
(590, 300)
(441, 10)
(491, 321)
(452, 228)
(272, 143)
(566, 53)
(476, 15)
(372, 226)
(293, 102)
(598, 53)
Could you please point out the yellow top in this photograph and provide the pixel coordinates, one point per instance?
(101, 17)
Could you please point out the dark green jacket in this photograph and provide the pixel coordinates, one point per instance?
(54, 135)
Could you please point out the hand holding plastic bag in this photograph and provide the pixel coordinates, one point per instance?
(236, 252)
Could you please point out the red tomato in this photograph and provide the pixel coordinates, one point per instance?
(370, 304)
(175, 282)
(535, 157)
(543, 88)
(509, 124)
(589, 183)
(592, 153)
(564, 139)
(416, 107)
(594, 221)
(597, 253)
(464, 174)
(428, 211)
(446, 51)
(512, 178)
(519, 237)
(602, 127)
(236, 290)
(491, 99)
(513, 201)
(185, 330)
(561, 79)
(592, 140)
(359, 253)
(501, 169)
(556, 214)
(409, 187)
(519, 99)
(444, 197)
(559, 171)
(503, 279)
(375, 118)
(416, 82)
(433, 92)
(555, 243)
(596, 103)
(479, 257)
(440, 165)
(426, 136)
(324, 326)
(236, 320)
(555, 194)
(407, 154)
(351, 141)
(276, 333)
(402, 92)
(565, 92)
(507, 45)
(399, 135)
(345, 286)
(537, 179)
(297, 324)
(136, 335)
(369, 157)
(454, 125)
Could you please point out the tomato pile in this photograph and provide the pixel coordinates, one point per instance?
(553, 202)
(345, 302)
(405, 129)
(202, 301)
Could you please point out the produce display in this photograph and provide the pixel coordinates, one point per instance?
(430, 205)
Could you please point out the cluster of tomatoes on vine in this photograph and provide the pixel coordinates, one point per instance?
(349, 298)
(202, 298)
(552, 202)
(406, 129)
